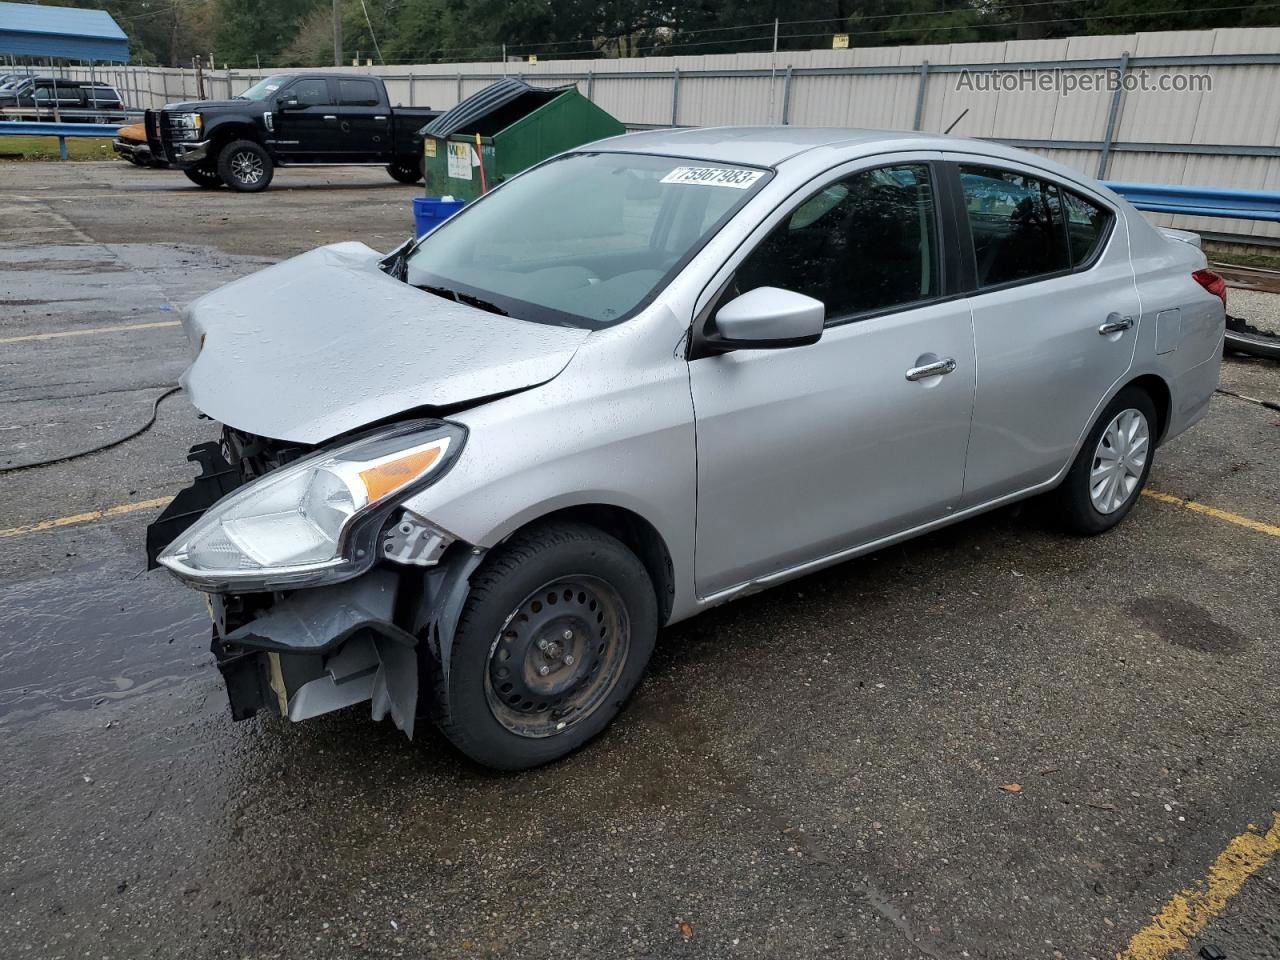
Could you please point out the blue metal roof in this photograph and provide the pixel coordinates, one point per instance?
(31, 30)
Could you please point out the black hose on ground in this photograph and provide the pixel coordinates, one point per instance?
(1269, 404)
(155, 407)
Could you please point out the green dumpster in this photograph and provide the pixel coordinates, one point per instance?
(503, 129)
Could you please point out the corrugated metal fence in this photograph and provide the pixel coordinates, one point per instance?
(1193, 107)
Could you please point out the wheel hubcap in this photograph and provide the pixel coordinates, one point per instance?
(557, 656)
(247, 167)
(1119, 460)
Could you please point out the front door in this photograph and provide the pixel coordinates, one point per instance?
(809, 451)
(307, 129)
(1055, 322)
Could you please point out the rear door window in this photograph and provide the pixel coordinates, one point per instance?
(101, 94)
(1017, 225)
(357, 93)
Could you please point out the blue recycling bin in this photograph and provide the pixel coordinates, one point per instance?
(430, 212)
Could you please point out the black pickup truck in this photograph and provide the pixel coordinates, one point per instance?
(289, 119)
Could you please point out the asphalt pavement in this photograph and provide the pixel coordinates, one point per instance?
(995, 741)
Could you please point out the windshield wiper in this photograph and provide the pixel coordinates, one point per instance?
(466, 298)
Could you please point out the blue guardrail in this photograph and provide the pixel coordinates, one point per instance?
(1201, 201)
(30, 128)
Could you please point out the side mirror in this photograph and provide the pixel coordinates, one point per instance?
(767, 318)
(289, 103)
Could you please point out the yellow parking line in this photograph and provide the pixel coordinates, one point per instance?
(88, 517)
(84, 333)
(1214, 512)
(1187, 912)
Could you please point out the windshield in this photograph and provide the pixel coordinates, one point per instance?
(582, 241)
(263, 88)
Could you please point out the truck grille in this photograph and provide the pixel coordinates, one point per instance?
(163, 132)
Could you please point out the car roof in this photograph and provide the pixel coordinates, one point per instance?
(774, 146)
(765, 146)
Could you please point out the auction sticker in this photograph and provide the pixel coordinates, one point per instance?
(735, 177)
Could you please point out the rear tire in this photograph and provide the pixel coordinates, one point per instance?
(245, 166)
(203, 175)
(553, 639)
(1112, 466)
(405, 172)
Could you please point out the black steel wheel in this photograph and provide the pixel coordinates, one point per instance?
(245, 166)
(203, 175)
(403, 172)
(554, 638)
(558, 656)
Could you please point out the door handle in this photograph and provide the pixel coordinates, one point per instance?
(330, 116)
(379, 118)
(938, 368)
(1115, 324)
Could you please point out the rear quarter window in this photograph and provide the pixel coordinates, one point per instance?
(1087, 226)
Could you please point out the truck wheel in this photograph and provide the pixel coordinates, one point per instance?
(553, 639)
(405, 172)
(204, 175)
(245, 166)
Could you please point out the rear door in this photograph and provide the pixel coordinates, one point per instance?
(806, 452)
(1054, 317)
(364, 121)
(308, 131)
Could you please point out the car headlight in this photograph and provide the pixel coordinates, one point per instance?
(191, 124)
(315, 520)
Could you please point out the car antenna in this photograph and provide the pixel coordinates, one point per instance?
(955, 121)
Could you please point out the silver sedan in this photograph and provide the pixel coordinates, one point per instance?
(471, 479)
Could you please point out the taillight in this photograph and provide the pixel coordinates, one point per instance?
(1213, 283)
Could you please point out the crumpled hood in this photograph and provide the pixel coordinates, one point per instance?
(326, 342)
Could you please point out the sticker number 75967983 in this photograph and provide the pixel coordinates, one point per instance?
(735, 177)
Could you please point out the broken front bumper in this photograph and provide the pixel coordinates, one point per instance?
(308, 651)
(137, 152)
(313, 652)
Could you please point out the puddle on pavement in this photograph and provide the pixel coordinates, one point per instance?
(1186, 625)
(92, 635)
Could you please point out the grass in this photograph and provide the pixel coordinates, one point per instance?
(1241, 258)
(46, 148)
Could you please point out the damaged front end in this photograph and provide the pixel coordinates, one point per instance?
(266, 522)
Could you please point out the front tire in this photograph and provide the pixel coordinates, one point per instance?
(203, 175)
(553, 639)
(405, 172)
(1112, 466)
(245, 166)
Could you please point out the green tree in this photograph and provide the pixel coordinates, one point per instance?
(249, 30)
